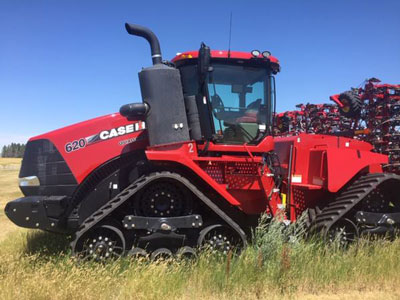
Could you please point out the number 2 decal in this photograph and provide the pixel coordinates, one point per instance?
(190, 145)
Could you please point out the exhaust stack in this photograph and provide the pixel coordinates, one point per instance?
(163, 106)
(150, 37)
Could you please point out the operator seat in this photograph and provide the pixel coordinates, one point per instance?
(245, 127)
(250, 114)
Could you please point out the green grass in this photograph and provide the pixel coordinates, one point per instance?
(38, 265)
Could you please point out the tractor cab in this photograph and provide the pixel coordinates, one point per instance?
(223, 97)
(234, 92)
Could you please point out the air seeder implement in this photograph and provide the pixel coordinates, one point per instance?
(196, 164)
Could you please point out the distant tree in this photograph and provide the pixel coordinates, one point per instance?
(13, 150)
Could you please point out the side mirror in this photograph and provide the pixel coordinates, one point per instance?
(203, 64)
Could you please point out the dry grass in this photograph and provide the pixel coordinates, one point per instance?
(10, 161)
(37, 265)
(9, 169)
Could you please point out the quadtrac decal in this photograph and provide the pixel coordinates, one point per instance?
(106, 135)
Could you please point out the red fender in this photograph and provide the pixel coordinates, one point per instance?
(335, 98)
(344, 164)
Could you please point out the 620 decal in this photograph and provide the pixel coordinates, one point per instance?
(75, 145)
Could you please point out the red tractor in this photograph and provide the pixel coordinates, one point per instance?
(196, 164)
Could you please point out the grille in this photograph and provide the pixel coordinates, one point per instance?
(43, 160)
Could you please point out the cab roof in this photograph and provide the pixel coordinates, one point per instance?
(236, 55)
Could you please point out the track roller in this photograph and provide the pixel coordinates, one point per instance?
(161, 254)
(186, 253)
(137, 253)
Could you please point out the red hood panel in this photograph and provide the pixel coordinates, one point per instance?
(89, 144)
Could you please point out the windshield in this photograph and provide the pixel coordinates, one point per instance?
(237, 102)
(238, 96)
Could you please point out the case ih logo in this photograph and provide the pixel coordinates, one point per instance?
(104, 135)
(109, 134)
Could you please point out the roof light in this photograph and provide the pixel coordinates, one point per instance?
(186, 56)
(266, 54)
(255, 53)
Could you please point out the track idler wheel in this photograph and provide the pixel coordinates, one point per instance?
(219, 239)
(161, 254)
(101, 243)
(344, 232)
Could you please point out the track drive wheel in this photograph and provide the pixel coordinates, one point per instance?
(100, 243)
(220, 239)
(351, 104)
(163, 199)
(344, 231)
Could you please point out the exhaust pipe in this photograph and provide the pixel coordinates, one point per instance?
(150, 37)
(163, 106)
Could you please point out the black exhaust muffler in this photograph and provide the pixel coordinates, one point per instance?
(162, 94)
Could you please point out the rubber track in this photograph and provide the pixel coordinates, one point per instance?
(140, 183)
(348, 199)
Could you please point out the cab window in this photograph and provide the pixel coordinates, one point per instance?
(238, 100)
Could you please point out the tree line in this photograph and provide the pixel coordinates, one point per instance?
(13, 150)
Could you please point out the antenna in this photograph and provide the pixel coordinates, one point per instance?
(230, 36)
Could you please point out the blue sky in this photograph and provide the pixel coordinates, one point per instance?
(62, 62)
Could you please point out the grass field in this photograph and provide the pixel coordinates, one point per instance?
(9, 169)
(37, 265)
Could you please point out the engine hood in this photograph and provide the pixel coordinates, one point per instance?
(86, 145)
